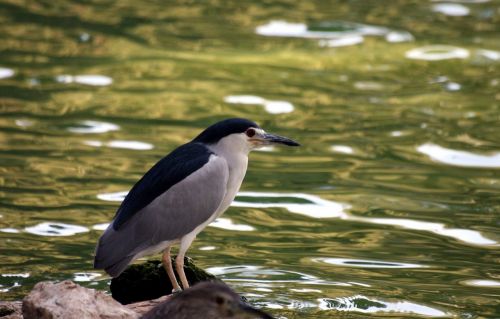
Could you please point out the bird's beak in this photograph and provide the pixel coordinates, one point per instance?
(251, 312)
(267, 138)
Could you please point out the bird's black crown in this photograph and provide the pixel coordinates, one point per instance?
(215, 132)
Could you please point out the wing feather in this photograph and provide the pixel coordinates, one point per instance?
(171, 215)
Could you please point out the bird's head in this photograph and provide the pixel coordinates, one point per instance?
(242, 134)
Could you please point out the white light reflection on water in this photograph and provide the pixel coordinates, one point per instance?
(437, 53)
(489, 54)
(131, 145)
(343, 149)
(6, 73)
(342, 42)
(272, 107)
(226, 223)
(94, 127)
(56, 229)
(321, 208)
(364, 304)
(360, 263)
(331, 33)
(316, 207)
(102, 226)
(20, 275)
(459, 158)
(279, 28)
(87, 79)
(451, 9)
(9, 230)
(85, 276)
(482, 283)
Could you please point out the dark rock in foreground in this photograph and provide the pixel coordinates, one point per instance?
(10, 310)
(149, 280)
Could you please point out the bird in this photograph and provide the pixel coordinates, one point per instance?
(180, 195)
(207, 300)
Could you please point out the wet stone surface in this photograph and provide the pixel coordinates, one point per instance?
(149, 280)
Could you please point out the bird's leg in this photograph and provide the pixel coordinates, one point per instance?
(179, 260)
(179, 264)
(167, 264)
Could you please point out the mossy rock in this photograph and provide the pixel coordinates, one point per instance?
(149, 280)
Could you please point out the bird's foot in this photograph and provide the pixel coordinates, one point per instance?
(176, 290)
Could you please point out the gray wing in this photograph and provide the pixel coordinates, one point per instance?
(170, 216)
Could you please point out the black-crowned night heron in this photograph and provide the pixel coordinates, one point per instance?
(180, 195)
(207, 300)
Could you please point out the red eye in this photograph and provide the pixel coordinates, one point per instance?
(250, 132)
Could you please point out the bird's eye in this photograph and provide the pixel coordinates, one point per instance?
(250, 132)
(219, 300)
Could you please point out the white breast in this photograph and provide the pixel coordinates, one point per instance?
(234, 149)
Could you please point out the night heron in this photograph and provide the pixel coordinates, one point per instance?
(207, 300)
(180, 195)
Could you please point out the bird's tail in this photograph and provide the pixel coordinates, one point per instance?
(109, 255)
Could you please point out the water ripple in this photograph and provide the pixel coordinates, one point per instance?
(94, 127)
(459, 158)
(437, 53)
(131, 145)
(85, 276)
(226, 223)
(451, 9)
(6, 73)
(364, 304)
(366, 263)
(331, 33)
(273, 107)
(321, 208)
(87, 79)
(56, 229)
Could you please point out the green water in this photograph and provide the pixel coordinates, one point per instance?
(389, 209)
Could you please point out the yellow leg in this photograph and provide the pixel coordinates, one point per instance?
(179, 260)
(167, 264)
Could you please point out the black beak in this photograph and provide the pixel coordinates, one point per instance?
(255, 313)
(271, 138)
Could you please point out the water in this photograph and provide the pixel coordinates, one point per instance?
(389, 209)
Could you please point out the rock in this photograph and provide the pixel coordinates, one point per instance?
(11, 310)
(149, 280)
(66, 299)
(144, 306)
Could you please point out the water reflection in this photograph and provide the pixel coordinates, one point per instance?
(317, 207)
(459, 158)
(437, 53)
(56, 229)
(9, 230)
(94, 127)
(85, 276)
(226, 223)
(20, 275)
(364, 304)
(131, 145)
(331, 33)
(88, 79)
(6, 73)
(482, 283)
(343, 149)
(365, 263)
(451, 9)
(271, 106)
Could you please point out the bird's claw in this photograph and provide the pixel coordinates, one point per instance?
(176, 290)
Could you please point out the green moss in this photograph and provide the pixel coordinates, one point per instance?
(149, 280)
